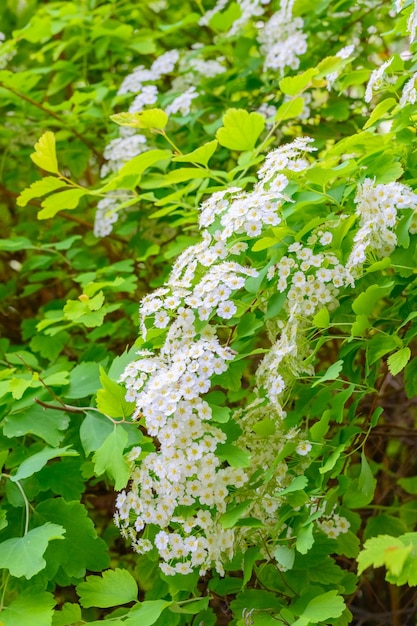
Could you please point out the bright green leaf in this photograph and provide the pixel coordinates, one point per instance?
(111, 399)
(68, 199)
(40, 188)
(109, 458)
(293, 85)
(305, 539)
(201, 155)
(45, 153)
(240, 129)
(23, 556)
(398, 360)
(233, 514)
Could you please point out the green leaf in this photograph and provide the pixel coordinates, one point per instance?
(331, 373)
(68, 615)
(323, 607)
(285, 556)
(84, 380)
(40, 188)
(15, 243)
(111, 399)
(379, 111)
(201, 155)
(240, 130)
(80, 549)
(233, 514)
(146, 613)
(293, 85)
(366, 482)
(380, 345)
(374, 551)
(23, 556)
(322, 318)
(113, 588)
(150, 118)
(45, 154)
(109, 458)
(30, 607)
(398, 360)
(35, 462)
(290, 109)
(49, 425)
(68, 199)
(365, 303)
(305, 539)
(410, 379)
(190, 607)
(233, 455)
(408, 484)
(130, 174)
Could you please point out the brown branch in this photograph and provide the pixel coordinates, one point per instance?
(52, 113)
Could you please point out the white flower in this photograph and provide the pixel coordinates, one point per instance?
(303, 448)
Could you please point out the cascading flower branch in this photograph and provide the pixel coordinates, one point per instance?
(181, 493)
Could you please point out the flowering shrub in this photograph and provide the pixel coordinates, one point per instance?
(246, 172)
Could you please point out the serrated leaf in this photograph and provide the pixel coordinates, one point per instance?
(40, 188)
(35, 462)
(240, 130)
(109, 458)
(23, 556)
(30, 607)
(201, 155)
(373, 552)
(49, 425)
(68, 199)
(398, 360)
(68, 615)
(323, 607)
(111, 399)
(293, 85)
(113, 588)
(80, 549)
(45, 153)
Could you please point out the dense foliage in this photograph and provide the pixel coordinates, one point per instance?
(243, 450)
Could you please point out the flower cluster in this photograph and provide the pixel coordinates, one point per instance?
(282, 39)
(185, 484)
(377, 208)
